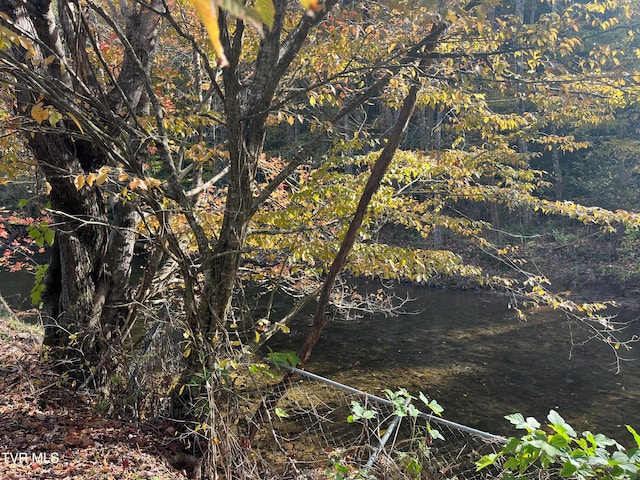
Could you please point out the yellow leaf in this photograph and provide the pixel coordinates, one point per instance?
(47, 188)
(312, 6)
(101, 178)
(152, 182)
(285, 329)
(39, 113)
(265, 11)
(91, 178)
(75, 120)
(257, 337)
(208, 13)
(79, 182)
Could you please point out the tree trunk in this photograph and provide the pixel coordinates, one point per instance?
(86, 296)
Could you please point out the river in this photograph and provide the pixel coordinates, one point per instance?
(15, 287)
(469, 351)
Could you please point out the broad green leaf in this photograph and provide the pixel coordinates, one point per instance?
(568, 469)
(560, 425)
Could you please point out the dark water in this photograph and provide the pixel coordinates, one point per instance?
(470, 352)
(15, 287)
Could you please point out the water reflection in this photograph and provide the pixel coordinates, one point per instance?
(471, 353)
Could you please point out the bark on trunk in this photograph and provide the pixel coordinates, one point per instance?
(86, 294)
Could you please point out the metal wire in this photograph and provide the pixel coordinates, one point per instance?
(310, 433)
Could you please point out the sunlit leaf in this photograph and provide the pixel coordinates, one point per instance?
(311, 6)
(91, 178)
(208, 12)
(79, 181)
(281, 413)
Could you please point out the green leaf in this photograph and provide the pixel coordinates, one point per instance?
(530, 424)
(38, 284)
(515, 419)
(412, 410)
(635, 434)
(283, 358)
(433, 405)
(434, 433)
(559, 440)
(49, 236)
(560, 425)
(281, 413)
(358, 412)
(487, 461)
(568, 469)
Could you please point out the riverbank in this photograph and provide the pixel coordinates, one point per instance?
(591, 265)
(48, 431)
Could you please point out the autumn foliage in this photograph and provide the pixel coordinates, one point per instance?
(226, 146)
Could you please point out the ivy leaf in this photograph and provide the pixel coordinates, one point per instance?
(560, 425)
(518, 420)
(283, 358)
(432, 404)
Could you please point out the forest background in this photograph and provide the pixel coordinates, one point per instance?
(479, 144)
